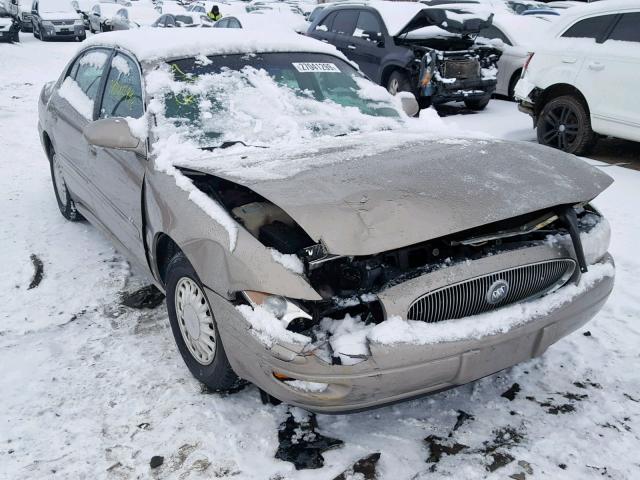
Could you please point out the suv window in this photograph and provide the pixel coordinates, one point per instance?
(345, 22)
(123, 90)
(493, 32)
(627, 29)
(594, 27)
(87, 71)
(326, 24)
(367, 22)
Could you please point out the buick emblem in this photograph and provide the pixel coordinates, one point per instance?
(497, 291)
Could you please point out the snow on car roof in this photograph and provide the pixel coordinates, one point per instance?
(151, 44)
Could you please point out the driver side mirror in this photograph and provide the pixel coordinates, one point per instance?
(409, 103)
(111, 133)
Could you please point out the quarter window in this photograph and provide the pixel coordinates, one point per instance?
(627, 29)
(594, 27)
(123, 90)
(492, 33)
(345, 22)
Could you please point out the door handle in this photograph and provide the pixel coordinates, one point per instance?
(351, 47)
(597, 66)
(93, 151)
(568, 60)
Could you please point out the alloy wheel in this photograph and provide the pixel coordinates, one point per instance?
(195, 321)
(560, 127)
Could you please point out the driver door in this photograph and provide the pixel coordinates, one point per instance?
(118, 175)
(367, 44)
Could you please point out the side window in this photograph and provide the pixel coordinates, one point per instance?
(492, 33)
(345, 22)
(87, 71)
(594, 27)
(627, 29)
(326, 24)
(170, 21)
(224, 23)
(368, 26)
(123, 90)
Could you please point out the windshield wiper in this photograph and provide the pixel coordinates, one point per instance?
(228, 144)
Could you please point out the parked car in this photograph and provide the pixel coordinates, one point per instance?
(169, 20)
(24, 13)
(408, 47)
(9, 21)
(56, 19)
(581, 83)
(296, 249)
(106, 17)
(516, 36)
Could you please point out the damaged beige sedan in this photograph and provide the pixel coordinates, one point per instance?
(310, 235)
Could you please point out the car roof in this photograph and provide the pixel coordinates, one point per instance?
(570, 16)
(151, 44)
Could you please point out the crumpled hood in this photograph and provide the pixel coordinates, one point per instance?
(461, 23)
(370, 204)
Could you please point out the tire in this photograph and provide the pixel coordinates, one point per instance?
(477, 104)
(564, 123)
(91, 29)
(65, 203)
(399, 81)
(205, 356)
(81, 38)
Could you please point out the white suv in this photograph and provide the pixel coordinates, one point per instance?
(586, 81)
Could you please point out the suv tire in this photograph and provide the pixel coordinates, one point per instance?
(564, 123)
(399, 81)
(190, 314)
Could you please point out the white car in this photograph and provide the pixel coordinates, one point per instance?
(516, 36)
(584, 82)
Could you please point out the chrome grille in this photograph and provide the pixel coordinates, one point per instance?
(62, 22)
(461, 68)
(469, 297)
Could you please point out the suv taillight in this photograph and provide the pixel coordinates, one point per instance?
(526, 63)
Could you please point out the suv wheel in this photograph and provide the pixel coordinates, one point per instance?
(194, 327)
(65, 203)
(564, 124)
(399, 81)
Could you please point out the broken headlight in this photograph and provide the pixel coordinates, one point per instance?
(280, 307)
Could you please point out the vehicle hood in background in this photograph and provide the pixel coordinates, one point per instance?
(460, 23)
(371, 204)
(60, 16)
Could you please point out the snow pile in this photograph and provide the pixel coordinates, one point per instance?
(267, 328)
(72, 93)
(289, 261)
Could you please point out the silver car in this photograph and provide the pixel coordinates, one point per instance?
(310, 236)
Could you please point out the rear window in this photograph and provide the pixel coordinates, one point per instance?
(594, 27)
(627, 29)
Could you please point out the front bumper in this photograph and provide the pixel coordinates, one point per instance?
(460, 90)
(401, 371)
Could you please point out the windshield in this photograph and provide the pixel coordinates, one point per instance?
(56, 6)
(266, 99)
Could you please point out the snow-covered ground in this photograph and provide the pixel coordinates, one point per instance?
(92, 389)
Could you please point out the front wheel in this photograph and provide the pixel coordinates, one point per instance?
(564, 124)
(399, 82)
(65, 203)
(477, 104)
(194, 327)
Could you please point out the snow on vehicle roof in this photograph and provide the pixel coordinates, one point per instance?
(569, 16)
(150, 44)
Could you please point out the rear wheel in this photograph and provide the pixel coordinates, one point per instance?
(65, 203)
(564, 124)
(477, 104)
(194, 327)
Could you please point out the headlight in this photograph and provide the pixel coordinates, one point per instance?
(280, 307)
(78, 23)
(595, 242)
(47, 24)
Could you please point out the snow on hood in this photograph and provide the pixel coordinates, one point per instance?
(153, 44)
(71, 15)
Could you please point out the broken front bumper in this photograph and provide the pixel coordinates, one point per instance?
(399, 371)
(460, 90)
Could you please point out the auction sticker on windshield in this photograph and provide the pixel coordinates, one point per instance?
(315, 67)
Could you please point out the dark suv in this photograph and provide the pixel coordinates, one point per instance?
(404, 46)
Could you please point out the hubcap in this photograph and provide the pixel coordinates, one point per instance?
(58, 180)
(560, 127)
(195, 321)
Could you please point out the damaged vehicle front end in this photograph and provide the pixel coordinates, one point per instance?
(322, 246)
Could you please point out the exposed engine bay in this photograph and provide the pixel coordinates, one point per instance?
(348, 284)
